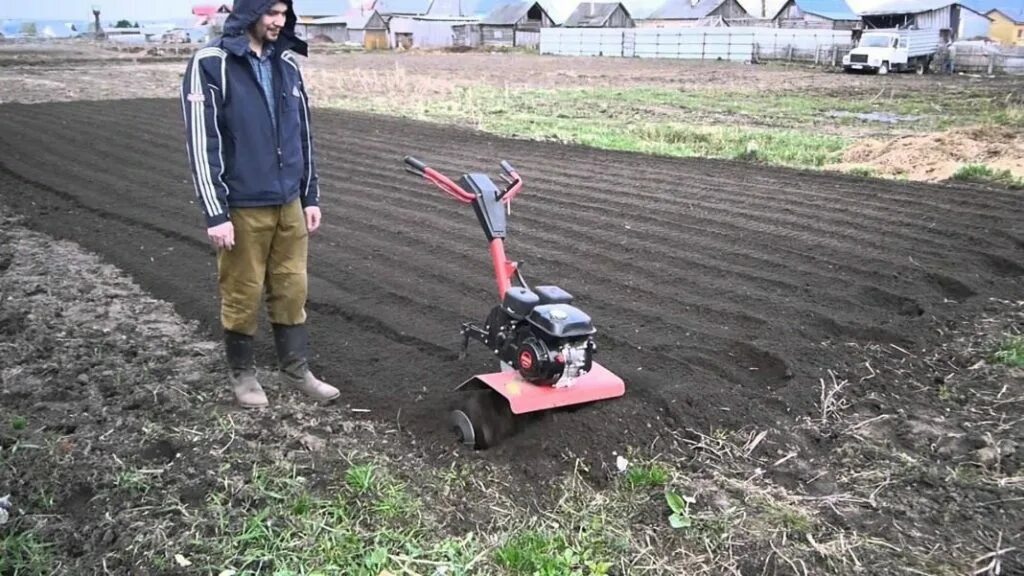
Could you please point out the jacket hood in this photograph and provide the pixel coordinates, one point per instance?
(245, 13)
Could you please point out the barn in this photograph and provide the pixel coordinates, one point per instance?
(954, 21)
(600, 15)
(514, 24)
(425, 31)
(329, 29)
(819, 14)
(363, 28)
(689, 13)
(367, 29)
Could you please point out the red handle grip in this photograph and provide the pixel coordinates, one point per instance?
(440, 180)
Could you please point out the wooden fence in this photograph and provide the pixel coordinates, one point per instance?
(990, 60)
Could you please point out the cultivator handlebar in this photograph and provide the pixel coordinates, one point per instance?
(510, 176)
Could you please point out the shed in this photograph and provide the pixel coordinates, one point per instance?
(368, 29)
(952, 21)
(827, 14)
(690, 13)
(355, 27)
(515, 24)
(600, 15)
(329, 29)
(425, 31)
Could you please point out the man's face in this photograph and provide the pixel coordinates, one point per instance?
(268, 27)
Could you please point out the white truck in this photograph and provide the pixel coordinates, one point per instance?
(893, 50)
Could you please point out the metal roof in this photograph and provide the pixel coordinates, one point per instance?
(402, 6)
(352, 19)
(885, 7)
(592, 14)
(831, 9)
(685, 9)
(508, 13)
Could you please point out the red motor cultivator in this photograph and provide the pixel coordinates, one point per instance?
(545, 345)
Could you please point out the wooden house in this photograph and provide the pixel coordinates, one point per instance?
(514, 24)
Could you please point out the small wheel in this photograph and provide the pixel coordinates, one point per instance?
(483, 420)
(463, 428)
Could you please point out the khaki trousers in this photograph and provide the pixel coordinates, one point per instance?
(269, 257)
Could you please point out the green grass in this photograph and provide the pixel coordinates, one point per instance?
(23, 554)
(1011, 352)
(370, 525)
(983, 174)
(533, 553)
(789, 129)
(19, 423)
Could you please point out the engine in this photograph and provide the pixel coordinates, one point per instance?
(540, 364)
(549, 344)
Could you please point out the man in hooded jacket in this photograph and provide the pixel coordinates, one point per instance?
(254, 169)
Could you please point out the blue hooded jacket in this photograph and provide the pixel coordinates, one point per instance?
(239, 158)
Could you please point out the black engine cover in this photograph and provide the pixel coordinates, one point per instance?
(519, 301)
(561, 321)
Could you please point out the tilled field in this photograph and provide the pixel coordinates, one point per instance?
(818, 334)
(718, 288)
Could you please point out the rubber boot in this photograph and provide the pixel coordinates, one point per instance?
(241, 358)
(292, 352)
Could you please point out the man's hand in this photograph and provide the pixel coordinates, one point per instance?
(222, 235)
(312, 218)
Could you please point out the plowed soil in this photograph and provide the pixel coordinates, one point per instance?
(713, 284)
(846, 320)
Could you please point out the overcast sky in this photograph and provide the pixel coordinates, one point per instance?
(167, 9)
(172, 9)
(82, 9)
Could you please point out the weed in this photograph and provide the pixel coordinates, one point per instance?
(542, 554)
(787, 518)
(1011, 352)
(680, 507)
(945, 392)
(132, 481)
(981, 173)
(19, 423)
(647, 476)
(863, 171)
(360, 478)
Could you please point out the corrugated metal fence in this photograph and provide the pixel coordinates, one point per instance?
(740, 44)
